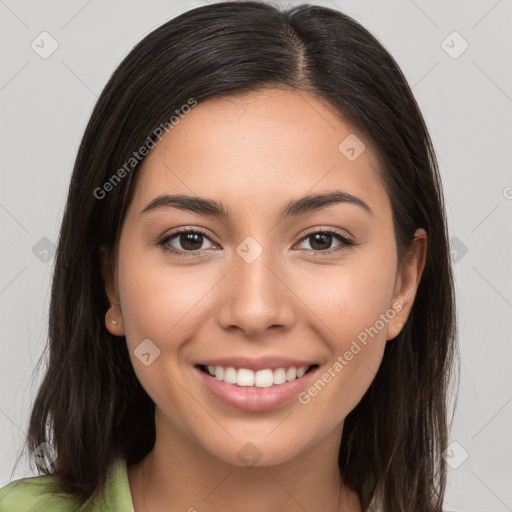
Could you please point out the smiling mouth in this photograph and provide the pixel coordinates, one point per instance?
(264, 378)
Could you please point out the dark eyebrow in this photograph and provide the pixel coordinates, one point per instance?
(294, 207)
(192, 203)
(315, 202)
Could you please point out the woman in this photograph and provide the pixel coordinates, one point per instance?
(252, 305)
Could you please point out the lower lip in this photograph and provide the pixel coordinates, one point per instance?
(254, 399)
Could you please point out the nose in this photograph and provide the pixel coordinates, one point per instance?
(256, 296)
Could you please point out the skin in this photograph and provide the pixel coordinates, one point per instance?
(255, 152)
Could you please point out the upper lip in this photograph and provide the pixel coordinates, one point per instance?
(260, 363)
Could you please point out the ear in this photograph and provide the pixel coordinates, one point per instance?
(113, 317)
(408, 280)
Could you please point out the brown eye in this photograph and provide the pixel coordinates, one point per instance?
(321, 241)
(185, 242)
(191, 241)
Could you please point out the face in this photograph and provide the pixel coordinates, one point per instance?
(265, 288)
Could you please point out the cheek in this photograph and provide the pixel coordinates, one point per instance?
(159, 302)
(352, 309)
(349, 298)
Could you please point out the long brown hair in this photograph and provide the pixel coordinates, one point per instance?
(90, 406)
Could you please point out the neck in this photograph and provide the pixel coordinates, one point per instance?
(180, 475)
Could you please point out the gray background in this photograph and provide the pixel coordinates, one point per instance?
(467, 104)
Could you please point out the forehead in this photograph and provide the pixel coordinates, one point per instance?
(257, 149)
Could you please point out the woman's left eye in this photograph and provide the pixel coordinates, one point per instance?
(191, 241)
(322, 238)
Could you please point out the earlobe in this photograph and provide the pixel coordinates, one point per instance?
(113, 316)
(408, 280)
(114, 321)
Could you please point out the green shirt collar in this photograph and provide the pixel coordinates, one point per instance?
(116, 494)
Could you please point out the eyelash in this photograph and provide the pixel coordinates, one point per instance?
(345, 242)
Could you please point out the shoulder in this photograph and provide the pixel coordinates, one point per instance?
(43, 494)
(38, 493)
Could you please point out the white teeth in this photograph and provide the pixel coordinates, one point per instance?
(279, 376)
(264, 379)
(301, 371)
(230, 375)
(260, 379)
(219, 373)
(245, 377)
(291, 373)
